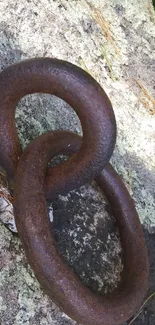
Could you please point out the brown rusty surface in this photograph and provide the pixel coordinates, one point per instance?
(82, 93)
(34, 228)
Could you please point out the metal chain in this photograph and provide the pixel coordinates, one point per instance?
(34, 183)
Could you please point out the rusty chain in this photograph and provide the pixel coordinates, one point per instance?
(34, 183)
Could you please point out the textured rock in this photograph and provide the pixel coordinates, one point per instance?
(118, 50)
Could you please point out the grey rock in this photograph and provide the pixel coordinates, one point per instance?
(84, 227)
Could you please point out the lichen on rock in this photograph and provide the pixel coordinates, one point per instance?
(115, 42)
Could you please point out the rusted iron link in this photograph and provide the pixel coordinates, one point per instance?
(83, 94)
(53, 273)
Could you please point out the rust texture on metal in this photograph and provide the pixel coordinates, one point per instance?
(53, 273)
(34, 183)
(83, 94)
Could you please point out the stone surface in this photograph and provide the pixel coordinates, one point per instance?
(115, 42)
